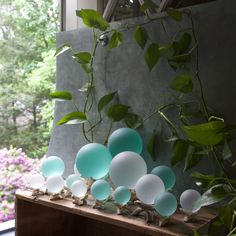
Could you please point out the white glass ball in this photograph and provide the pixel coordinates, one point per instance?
(148, 187)
(55, 184)
(126, 168)
(79, 188)
(187, 200)
(71, 179)
(36, 181)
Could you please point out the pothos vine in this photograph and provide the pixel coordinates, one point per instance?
(209, 136)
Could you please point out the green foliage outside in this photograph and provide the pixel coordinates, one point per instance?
(27, 73)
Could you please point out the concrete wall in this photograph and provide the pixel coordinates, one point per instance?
(124, 69)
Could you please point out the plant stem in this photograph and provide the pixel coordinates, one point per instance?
(108, 133)
(231, 232)
(197, 76)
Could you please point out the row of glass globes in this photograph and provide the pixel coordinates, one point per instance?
(127, 170)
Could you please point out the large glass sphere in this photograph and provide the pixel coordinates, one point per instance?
(93, 160)
(36, 181)
(79, 188)
(71, 179)
(122, 195)
(166, 174)
(165, 204)
(100, 190)
(125, 139)
(126, 168)
(52, 165)
(55, 184)
(187, 200)
(148, 187)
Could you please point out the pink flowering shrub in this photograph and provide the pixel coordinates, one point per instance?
(15, 169)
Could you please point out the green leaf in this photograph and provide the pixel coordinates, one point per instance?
(182, 83)
(64, 47)
(225, 215)
(62, 95)
(76, 117)
(103, 101)
(174, 14)
(148, 5)
(82, 57)
(213, 195)
(116, 39)
(87, 68)
(141, 36)
(133, 120)
(183, 44)
(151, 146)
(226, 153)
(93, 19)
(117, 112)
(179, 151)
(184, 58)
(152, 55)
(166, 51)
(191, 159)
(195, 233)
(203, 180)
(206, 134)
(85, 87)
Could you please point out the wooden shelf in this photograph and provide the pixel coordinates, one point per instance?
(62, 217)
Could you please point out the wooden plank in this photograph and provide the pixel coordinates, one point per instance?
(176, 227)
(110, 9)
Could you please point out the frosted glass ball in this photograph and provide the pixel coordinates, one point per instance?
(187, 200)
(122, 195)
(125, 139)
(126, 168)
(52, 165)
(165, 204)
(79, 188)
(55, 184)
(71, 179)
(93, 160)
(166, 174)
(100, 190)
(36, 181)
(148, 187)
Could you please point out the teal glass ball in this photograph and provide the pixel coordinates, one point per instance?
(166, 174)
(93, 160)
(125, 139)
(100, 190)
(122, 195)
(165, 204)
(52, 166)
(71, 179)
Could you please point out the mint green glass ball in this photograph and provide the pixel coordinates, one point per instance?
(52, 166)
(166, 174)
(165, 204)
(93, 160)
(125, 139)
(71, 179)
(122, 195)
(100, 190)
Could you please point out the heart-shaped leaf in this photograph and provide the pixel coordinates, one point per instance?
(182, 83)
(62, 95)
(133, 120)
(206, 134)
(116, 39)
(82, 57)
(76, 117)
(148, 5)
(152, 55)
(117, 112)
(93, 19)
(103, 101)
(179, 151)
(141, 36)
(64, 47)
